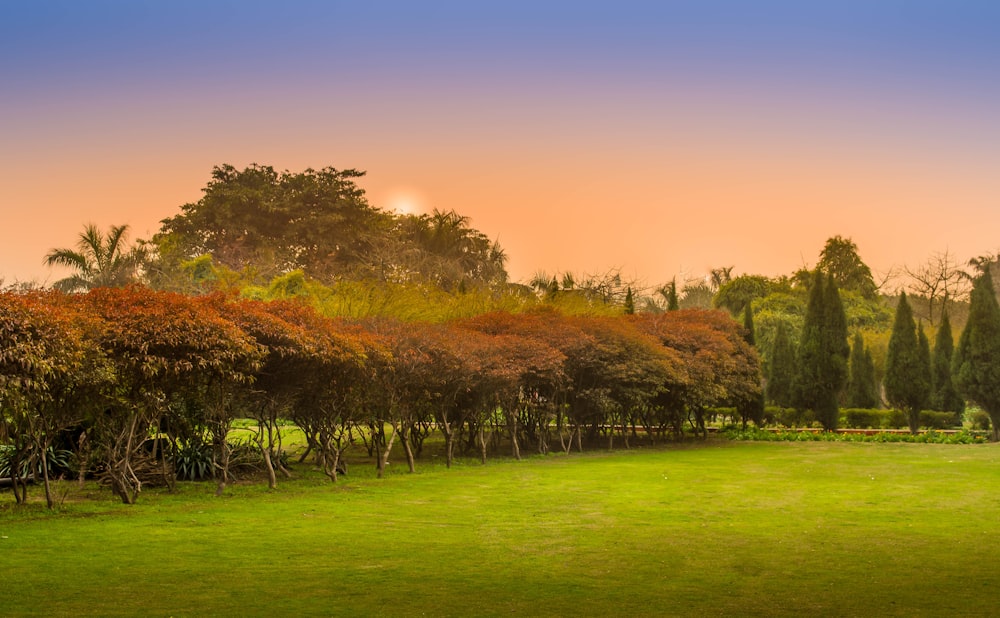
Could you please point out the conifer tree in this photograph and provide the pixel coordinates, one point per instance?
(751, 409)
(670, 292)
(823, 353)
(781, 369)
(944, 395)
(629, 302)
(976, 363)
(907, 365)
(862, 391)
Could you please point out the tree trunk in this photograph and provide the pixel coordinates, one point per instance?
(45, 478)
(404, 438)
(913, 416)
(383, 460)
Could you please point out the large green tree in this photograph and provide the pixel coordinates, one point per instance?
(840, 260)
(907, 371)
(781, 369)
(944, 395)
(823, 353)
(976, 363)
(275, 222)
(862, 388)
(99, 260)
(262, 223)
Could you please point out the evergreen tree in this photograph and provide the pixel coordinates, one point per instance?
(670, 293)
(823, 353)
(862, 391)
(629, 302)
(944, 395)
(907, 366)
(751, 409)
(781, 369)
(976, 363)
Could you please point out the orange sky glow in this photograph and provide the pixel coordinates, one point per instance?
(578, 153)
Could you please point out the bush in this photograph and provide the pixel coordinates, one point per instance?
(932, 419)
(193, 461)
(863, 418)
(896, 419)
(930, 437)
(978, 419)
(788, 417)
(60, 461)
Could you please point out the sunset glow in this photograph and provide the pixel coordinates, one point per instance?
(662, 139)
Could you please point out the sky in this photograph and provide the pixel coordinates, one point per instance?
(658, 139)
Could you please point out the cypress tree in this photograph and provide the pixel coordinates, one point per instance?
(976, 363)
(944, 395)
(753, 407)
(907, 365)
(823, 353)
(862, 391)
(629, 302)
(673, 304)
(781, 369)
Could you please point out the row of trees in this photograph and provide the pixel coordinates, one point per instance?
(118, 365)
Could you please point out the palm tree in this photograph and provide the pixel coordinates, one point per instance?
(100, 260)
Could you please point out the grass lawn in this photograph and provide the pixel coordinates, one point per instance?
(723, 529)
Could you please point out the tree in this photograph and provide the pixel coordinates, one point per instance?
(99, 260)
(781, 369)
(741, 291)
(944, 395)
(629, 302)
(862, 388)
(42, 359)
(823, 352)
(939, 279)
(450, 253)
(274, 222)
(669, 293)
(161, 345)
(840, 260)
(907, 372)
(976, 363)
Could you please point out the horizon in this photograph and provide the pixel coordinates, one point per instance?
(658, 139)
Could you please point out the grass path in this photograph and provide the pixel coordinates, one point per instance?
(720, 530)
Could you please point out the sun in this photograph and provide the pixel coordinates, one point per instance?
(406, 201)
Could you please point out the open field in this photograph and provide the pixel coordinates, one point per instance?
(719, 529)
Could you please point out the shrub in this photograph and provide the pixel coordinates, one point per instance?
(862, 418)
(788, 417)
(978, 419)
(193, 461)
(933, 419)
(60, 461)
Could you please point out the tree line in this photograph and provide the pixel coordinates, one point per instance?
(384, 293)
(113, 367)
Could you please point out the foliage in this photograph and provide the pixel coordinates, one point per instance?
(193, 461)
(907, 366)
(944, 396)
(839, 258)
(862, 388)
(928, 437)
(823, 353)
(976, 363)
(99, 260)
(741, 291)
(260, 223)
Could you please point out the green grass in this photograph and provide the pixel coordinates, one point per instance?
(724, 529)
